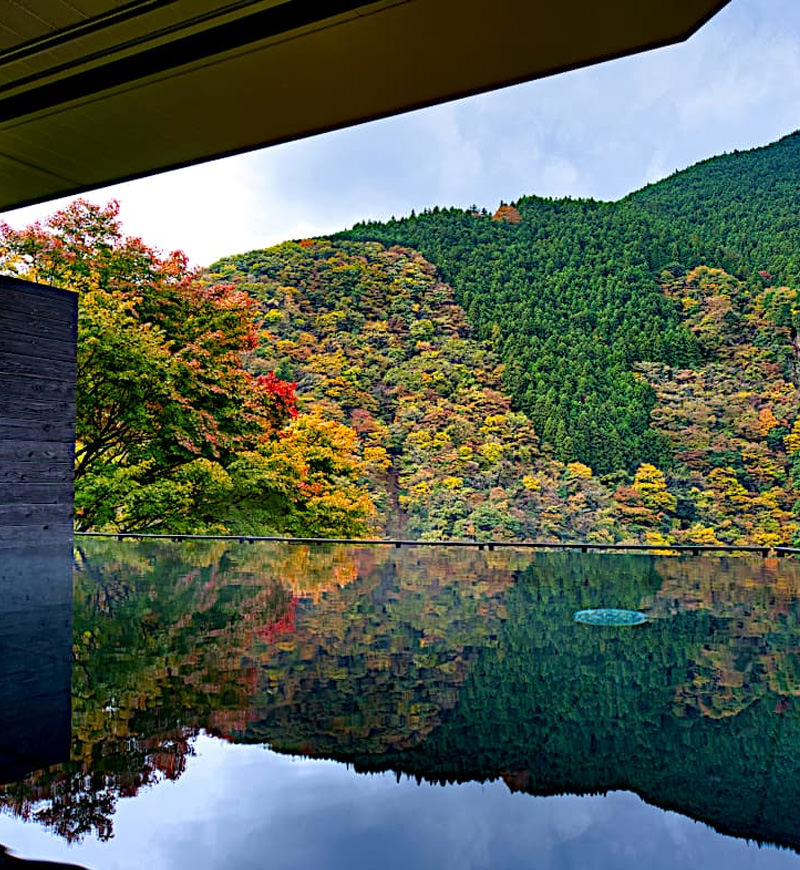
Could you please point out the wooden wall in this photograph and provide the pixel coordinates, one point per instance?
(38, 329)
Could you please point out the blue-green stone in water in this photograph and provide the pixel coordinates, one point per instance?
(610, 616)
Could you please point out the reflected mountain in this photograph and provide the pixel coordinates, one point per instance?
(444, 664)
(696, 711)
(9, 861)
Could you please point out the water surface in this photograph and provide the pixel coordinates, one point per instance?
(345, 707)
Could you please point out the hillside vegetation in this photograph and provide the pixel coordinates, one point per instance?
(560, 369)
(374, 340)
(599, 316)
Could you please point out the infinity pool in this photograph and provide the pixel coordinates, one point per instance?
(290, 706)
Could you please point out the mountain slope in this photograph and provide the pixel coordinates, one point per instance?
(569, 300)
(375, 340)
(737, 211)
(568, 291)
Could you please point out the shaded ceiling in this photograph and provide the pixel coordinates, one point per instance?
(97, 91)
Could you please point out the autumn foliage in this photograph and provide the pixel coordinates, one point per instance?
(375, 340)
(171, 427)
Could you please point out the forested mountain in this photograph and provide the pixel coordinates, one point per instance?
(738, 212)
(375, 341)
(583, 306)
(568, 290)
(567, 295)
(621, 371)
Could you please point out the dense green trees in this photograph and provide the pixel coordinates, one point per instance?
(569, 301)
(736, 211)
(569, 293)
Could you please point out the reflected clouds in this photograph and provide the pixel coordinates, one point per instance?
(244, 807)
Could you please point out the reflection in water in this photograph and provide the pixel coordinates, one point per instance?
(35, 663)
(613, 616)
(446, 665)
(9, 861)
(35, 656)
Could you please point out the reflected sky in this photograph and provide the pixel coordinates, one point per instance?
(246, 807)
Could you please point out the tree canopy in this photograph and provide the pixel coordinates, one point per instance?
(173, 433)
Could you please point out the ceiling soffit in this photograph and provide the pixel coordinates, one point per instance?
(97, 92)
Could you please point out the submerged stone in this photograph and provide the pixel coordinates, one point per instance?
(610, 616)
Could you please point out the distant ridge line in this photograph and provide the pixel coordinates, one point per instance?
(583, 546)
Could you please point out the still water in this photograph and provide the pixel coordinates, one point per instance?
(286, 706)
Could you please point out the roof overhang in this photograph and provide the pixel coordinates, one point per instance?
(97, 91)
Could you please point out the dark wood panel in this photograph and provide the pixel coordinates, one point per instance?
(22, 453)
(59, 492)
(33, 411)
(12, 537)
(22, 390)
(37, 413)
(19, 341)
(27, 298)
(30, 295)
(27, 365)
(35, 514)
(35, 325)
(34, 472)
(42, 430)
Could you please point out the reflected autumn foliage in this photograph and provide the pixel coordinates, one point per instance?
(443, 664)
(174, 639)
(753, 649)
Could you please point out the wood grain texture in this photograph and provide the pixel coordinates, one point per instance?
(38, 535)
(39, 514)
(33, 473)
(38, 329)
(20, 453)
(32, 411)
(32, 365)
(26, 389)
(38, 346)
(27, 494)
(34, 325)
(45, 431)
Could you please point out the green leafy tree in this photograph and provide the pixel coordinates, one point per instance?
(165, 406)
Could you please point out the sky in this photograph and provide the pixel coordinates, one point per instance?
(599, 132)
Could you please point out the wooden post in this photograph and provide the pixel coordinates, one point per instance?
(38, 328)
(38, 335)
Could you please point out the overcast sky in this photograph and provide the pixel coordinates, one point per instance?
(601, 132)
